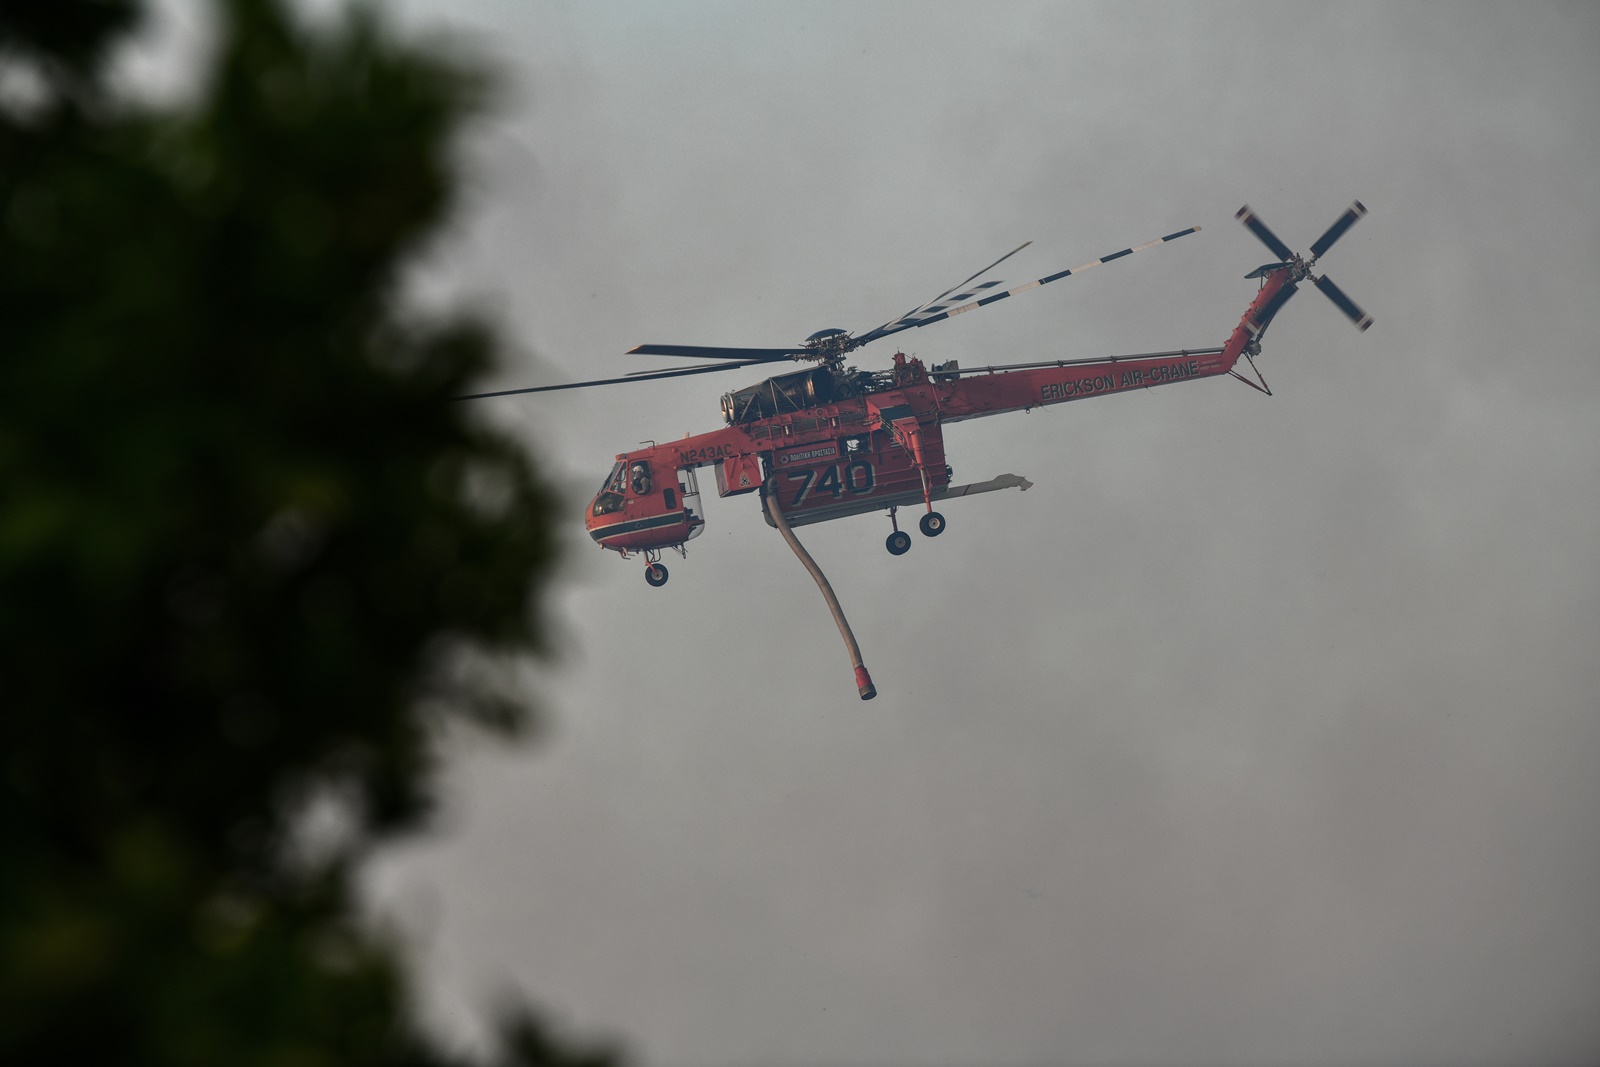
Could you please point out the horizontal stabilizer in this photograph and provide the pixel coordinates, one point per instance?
(912, 497)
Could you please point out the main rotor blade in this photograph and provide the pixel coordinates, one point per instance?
(705, 352)
(701, 367)
(981, 273)
(1344, 303)
(1351, 215)
(1259, 228)
(897, 326)
(871, 334)
(646, 376)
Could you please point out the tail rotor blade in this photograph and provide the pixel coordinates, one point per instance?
(1344, 303)
(1266, 236)
(1351, 216)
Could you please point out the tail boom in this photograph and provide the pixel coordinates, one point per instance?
(984, 391)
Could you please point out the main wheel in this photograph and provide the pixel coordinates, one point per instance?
(655, 574)
(899, 543)
(932, 524)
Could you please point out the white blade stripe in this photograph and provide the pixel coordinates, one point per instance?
(1050, 278)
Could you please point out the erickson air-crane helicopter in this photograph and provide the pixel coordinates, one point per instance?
(832, 441)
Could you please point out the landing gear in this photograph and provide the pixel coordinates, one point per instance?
(899, 542)
(654, 571)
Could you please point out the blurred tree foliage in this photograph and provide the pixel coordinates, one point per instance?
(250, 556)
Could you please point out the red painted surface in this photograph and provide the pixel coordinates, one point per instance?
(994, 394)
(884, 444)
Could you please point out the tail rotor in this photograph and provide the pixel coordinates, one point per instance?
(1300, 268)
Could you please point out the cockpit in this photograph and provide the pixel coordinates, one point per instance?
(610, 498)
(661, 504)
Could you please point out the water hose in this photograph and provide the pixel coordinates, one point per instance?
(863, 680)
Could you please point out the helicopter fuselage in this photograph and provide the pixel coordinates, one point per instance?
(832, 442)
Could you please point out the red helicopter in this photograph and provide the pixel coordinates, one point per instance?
(832, 441)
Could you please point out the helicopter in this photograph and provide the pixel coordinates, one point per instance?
(832, 441)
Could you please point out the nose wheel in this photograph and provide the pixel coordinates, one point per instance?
(655, 574)
(899, 543)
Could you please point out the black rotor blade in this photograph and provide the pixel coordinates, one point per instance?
(1259, 322)
(646, 376)
(879, 332)
(902, 324)
(1344, 303)
(1259, 228)
(705, 352)
(1350, 217)
(980, 273)
(682, 370)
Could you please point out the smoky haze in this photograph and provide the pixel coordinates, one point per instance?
(1258, 731)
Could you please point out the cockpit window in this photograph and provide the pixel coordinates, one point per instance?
(609, 498)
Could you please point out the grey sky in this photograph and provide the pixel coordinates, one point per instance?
(1258, 731)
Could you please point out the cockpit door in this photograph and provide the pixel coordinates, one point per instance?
(689, 486)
